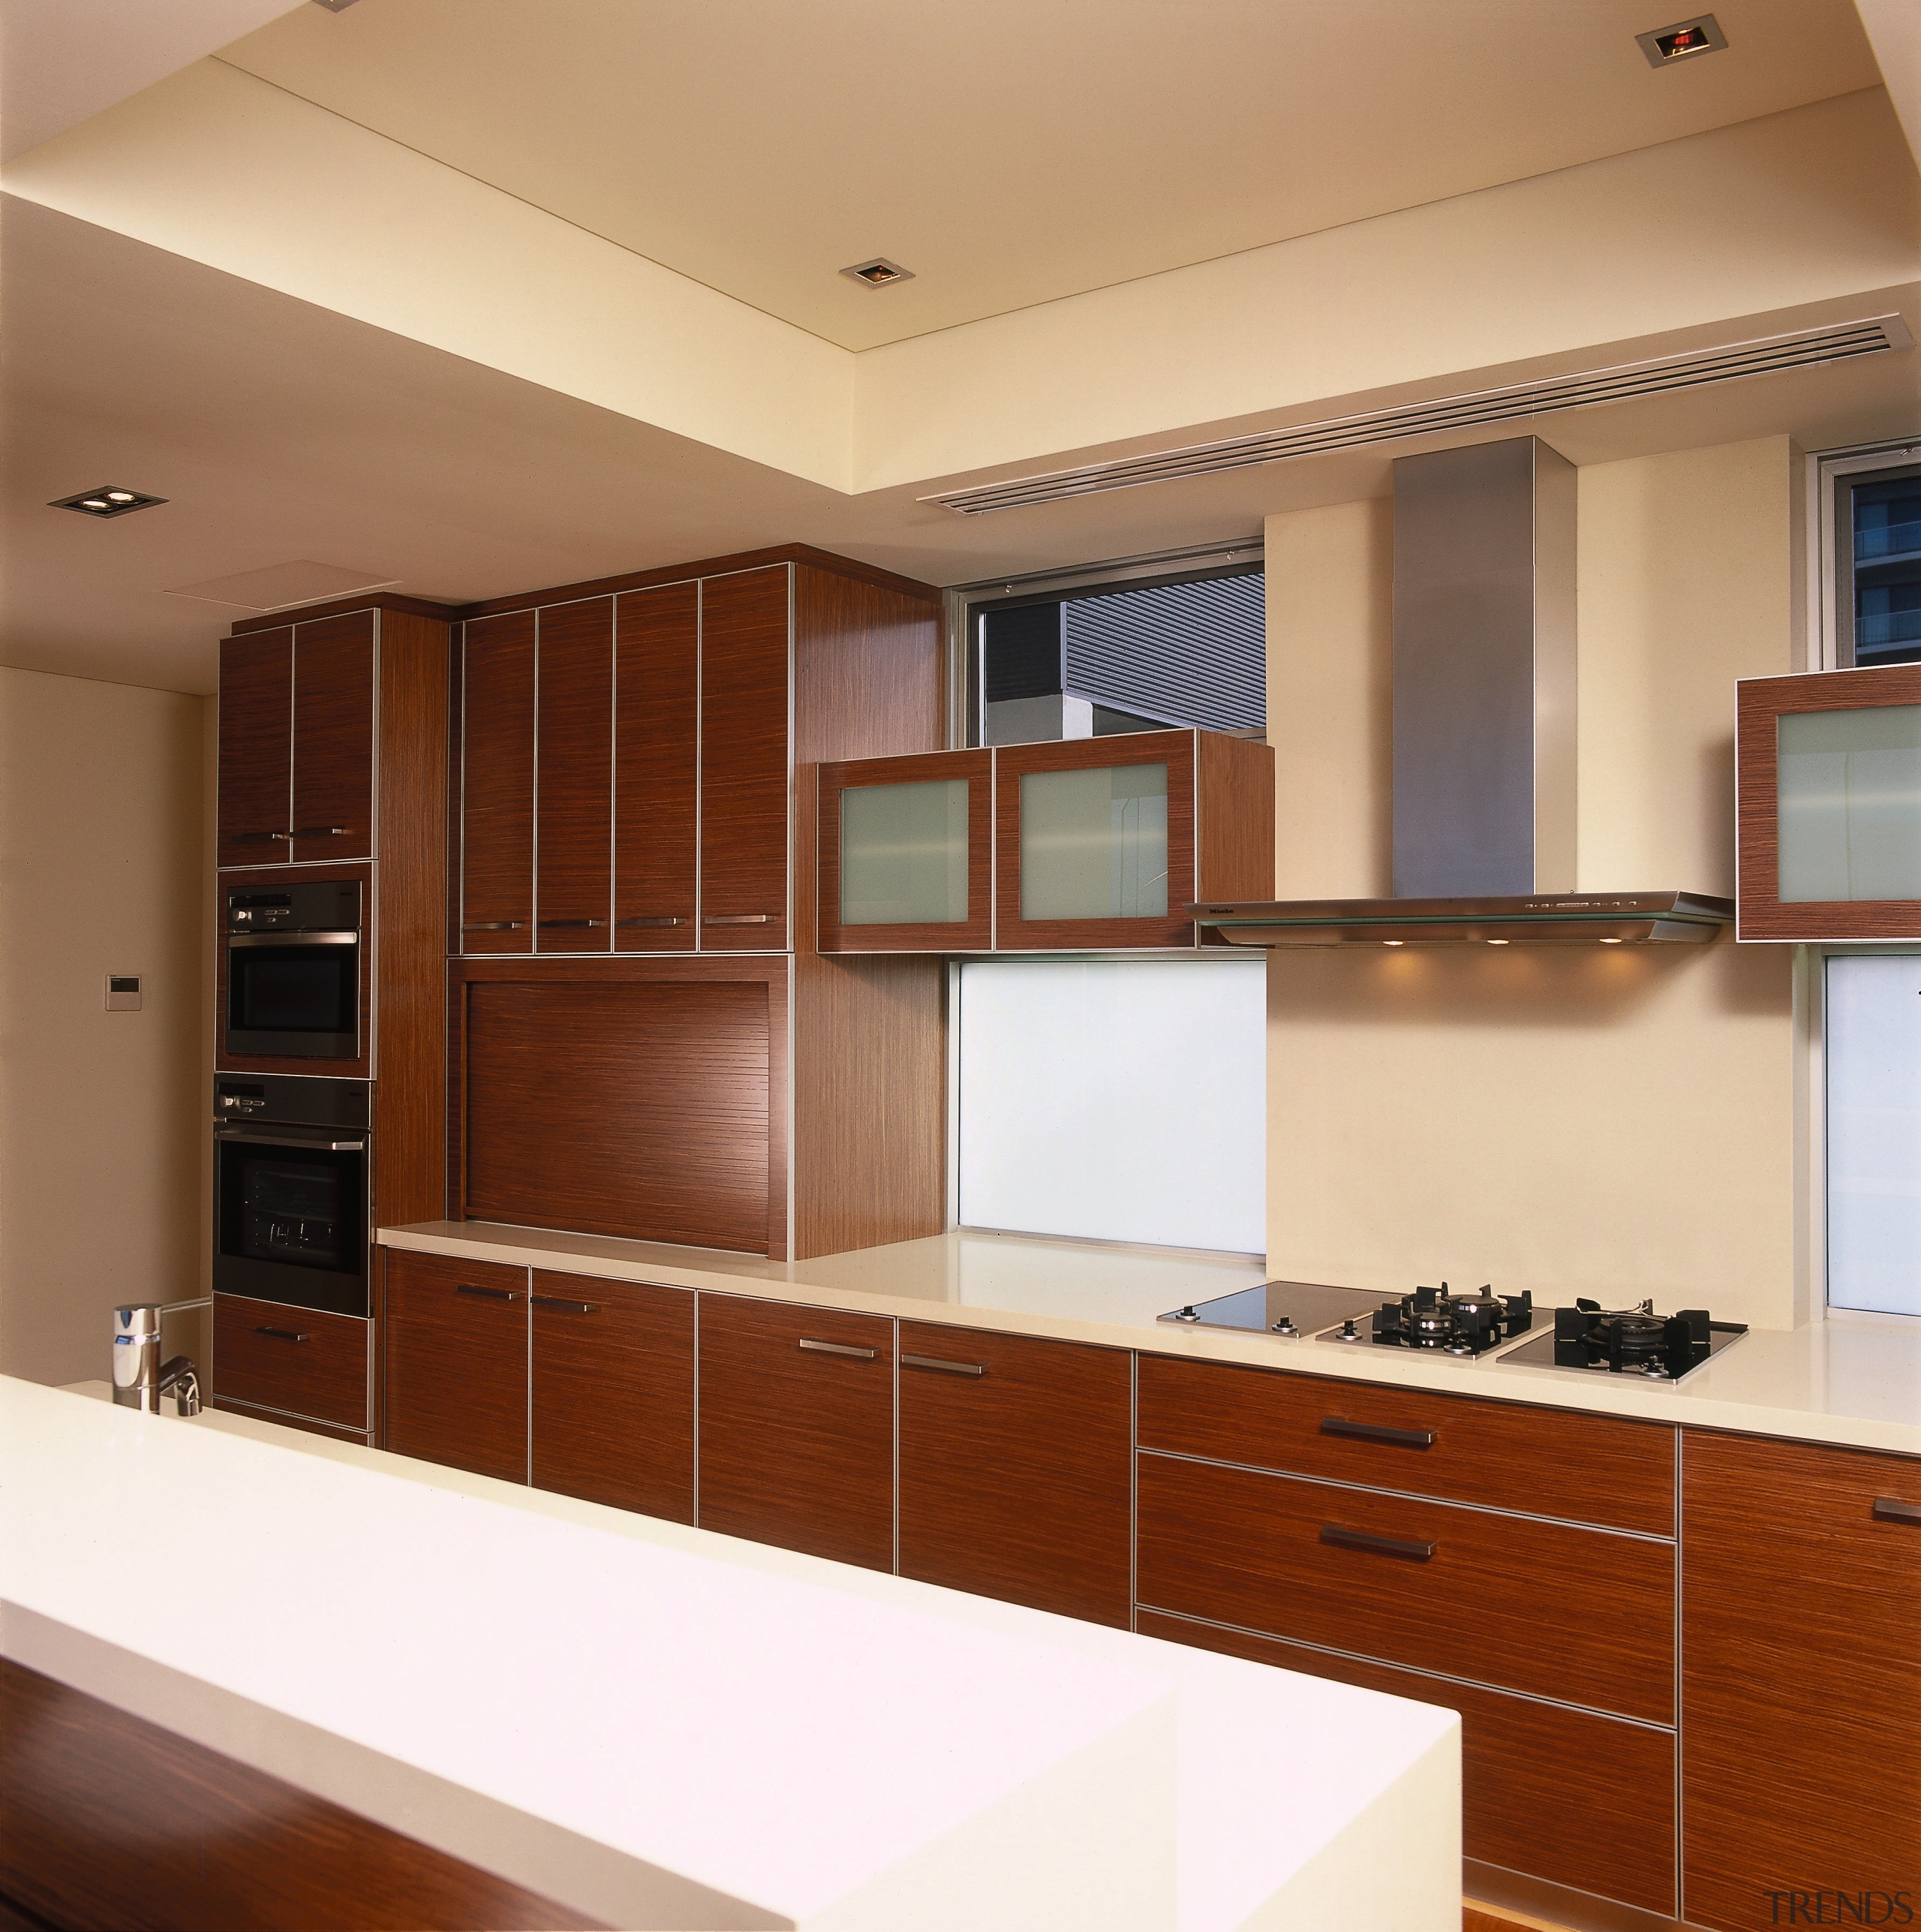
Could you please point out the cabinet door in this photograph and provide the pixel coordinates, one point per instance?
(333, 737)
(1800, 1678)
(1094, 840)
(744, 628)
(455, 1342)
(256, 747)
(1013, 1469)
(299, 1361)
(657, 733)
(574, 829)
(797, 1428)
(612, 1365)
(497, 786)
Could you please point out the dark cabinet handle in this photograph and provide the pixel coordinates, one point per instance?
(494, 926)
(258, 838)
(1888, 1510)
(549, 925)
(947, 1368)
(559, 1302)
(491, 1294)
(837, 1348)
(281, 1334)
(664, 918)
(322, 830)
(1344, 1539)
(739, 919)
(1374, 1432)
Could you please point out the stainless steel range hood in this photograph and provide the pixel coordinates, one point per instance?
(1483, 694)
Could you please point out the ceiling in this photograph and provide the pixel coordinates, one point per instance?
(1015, 151)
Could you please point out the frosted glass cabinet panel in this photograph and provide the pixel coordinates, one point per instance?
(1828, 766)
(1849, 804)
(1094, 844)
(1873, 1061)
(905, 854)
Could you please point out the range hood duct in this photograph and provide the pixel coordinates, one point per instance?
(1484, 741)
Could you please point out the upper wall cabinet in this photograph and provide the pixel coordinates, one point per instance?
(1829, 765)
(296, 742)
(1068, 845)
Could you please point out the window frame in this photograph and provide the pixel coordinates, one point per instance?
(1830, 625)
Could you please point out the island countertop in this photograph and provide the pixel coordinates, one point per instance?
(659, 1726)
(1853, 1383)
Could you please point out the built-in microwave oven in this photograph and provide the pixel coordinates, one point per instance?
(293, 967)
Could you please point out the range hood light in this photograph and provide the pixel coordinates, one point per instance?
(1393, 942)
(1610, 942)
(1497, 942)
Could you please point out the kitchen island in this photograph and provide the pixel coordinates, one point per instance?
(637, 1724)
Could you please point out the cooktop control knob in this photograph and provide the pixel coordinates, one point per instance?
(1187, 1314)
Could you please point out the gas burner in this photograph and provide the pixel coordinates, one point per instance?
(1439, 1321)
(1628, 1341)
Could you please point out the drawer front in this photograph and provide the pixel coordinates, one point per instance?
(1014, 1480)
(612, 1393)
(1801, 1680)
(455, 1346)
(797, 1428)
(1503, 1455)
(1576, 1614)
(271, 1356)
(1524, 1765)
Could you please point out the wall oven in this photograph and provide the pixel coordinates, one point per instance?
(294, 1169)
(293, 967)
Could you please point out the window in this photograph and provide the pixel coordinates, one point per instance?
(1872, 1113)
(1869, 503)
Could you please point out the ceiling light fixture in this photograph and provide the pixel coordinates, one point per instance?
(878, 272)
(109, 500)
(1666, 45)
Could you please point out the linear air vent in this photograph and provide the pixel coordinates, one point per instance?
(1874, 335)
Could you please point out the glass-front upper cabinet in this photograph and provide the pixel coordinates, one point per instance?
(905, 854)
(1829, 772)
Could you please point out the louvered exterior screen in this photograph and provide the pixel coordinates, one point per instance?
(1178, 654)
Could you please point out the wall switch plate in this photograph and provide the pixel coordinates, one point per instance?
(123, 992)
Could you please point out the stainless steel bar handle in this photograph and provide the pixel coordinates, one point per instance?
(1365, 1540)
(491, 1294)
(946, 1367)
(280, 1334)
(559, 1302)
(293, 939)
(1376, 1432)
(837, 1348)
(672, 919)
(258, 838)
(1889, 1509)
(322, 830)
(494, 926)
(551, 925)
(319, 1143)
(738, 919)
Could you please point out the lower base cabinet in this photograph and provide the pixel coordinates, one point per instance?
(1801, 1683)
(1014, 1455)
(797, 1428)
(297, 1365)
(454, 1344)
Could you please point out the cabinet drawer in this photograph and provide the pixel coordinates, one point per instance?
(1013, 1469)
(612, 1396)
(455, 1351)
(797, 1428)
(1580, 1615)
(1801, 1685)
(272, 1356)
(1523, 1766)
(1503, 1455)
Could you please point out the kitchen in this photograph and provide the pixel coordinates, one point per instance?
(1567, 1121)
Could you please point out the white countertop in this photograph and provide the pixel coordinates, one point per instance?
(1854, 1384)
(662, 1727)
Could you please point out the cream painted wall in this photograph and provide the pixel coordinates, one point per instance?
(103, 1159)
(1571, 1121)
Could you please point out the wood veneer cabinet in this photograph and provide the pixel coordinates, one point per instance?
(1828, 768)
(302, 1364)
(455, 1335)
(1014, 1454)
(1801, 1679)
(797, 1428)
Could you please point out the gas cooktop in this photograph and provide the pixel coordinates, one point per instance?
(1592, 1340)
(1434, 1321)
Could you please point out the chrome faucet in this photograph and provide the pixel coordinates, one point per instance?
(140, 1378)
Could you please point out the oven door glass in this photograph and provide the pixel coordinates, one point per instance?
(290, 1217)
(296, 997)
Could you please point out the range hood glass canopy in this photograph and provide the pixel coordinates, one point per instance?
(1562, 919)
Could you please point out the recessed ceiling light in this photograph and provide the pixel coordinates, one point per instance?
(109, 500)
(879, 272)
(1666, 45)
